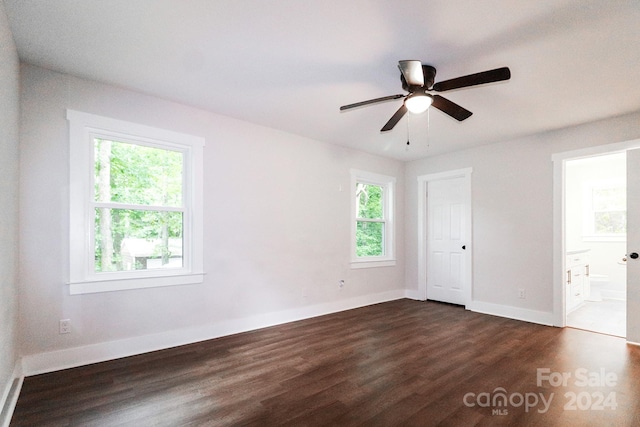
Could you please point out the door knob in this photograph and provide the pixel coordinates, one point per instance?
(464, 247)
(633, 255)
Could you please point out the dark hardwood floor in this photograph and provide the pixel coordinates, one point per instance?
(398, 363)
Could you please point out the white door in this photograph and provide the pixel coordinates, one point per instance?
(633, 245)
(446, 240)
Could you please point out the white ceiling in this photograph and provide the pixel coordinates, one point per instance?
(290, 64)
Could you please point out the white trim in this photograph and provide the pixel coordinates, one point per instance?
(10, 394)
(113, 205)
(413, 294)
(455, 173)
(599, 150)
(389, 185)
(559, 249)
(511, 312)
(373, 264)
(605, 238)
(39, 363)
(92, 287)
(128, 129)
(423, 181)
(613, 294)
(82, 126)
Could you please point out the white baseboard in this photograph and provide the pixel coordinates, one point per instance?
(39, 363)
(613, 294)
(10, 395)
(517, 313)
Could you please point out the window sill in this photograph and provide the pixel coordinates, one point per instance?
(605, 238)
(97, 286)
(373, 264)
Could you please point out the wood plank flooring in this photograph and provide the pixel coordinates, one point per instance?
(398, 363)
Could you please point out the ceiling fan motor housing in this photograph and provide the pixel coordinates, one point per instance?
(429, 73)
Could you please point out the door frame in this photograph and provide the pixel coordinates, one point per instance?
(559, 244)
(423, 182)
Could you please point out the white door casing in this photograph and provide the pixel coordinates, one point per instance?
(632, 149)
(444, 228)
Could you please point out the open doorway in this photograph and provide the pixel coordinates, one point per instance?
(595, 242)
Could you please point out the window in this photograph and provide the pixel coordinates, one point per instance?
(605, 210)
(372, 214)
(135, 205)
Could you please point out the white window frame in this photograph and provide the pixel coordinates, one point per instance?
(388, 183)
(83, 128)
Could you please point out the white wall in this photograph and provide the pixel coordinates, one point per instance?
(512, 192)
(276, 209)
(9, 113)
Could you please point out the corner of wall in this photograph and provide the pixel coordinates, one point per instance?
(10, 364)
(413, 294)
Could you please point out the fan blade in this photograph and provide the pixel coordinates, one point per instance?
(412, 72)
(490, 76)
(371, 101)
(450, 108)
(394, 119)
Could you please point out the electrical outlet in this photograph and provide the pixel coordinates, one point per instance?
(521, 293)
(65, 326)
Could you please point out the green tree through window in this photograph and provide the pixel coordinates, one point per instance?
(372, 214)
(138, 214)
(370, 221)
(609, 210)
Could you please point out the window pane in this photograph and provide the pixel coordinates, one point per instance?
(136, 174)
(137, 240)
(369, 238)
(613, 222)
(610, 199)
(369, 201)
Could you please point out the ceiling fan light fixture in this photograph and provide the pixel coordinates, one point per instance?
(418, 102)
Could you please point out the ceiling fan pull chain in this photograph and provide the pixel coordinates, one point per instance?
(428, 126)
(408, 135)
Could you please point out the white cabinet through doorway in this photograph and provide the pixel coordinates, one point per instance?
(577, 278)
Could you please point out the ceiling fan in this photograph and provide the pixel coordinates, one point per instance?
(418, 80)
